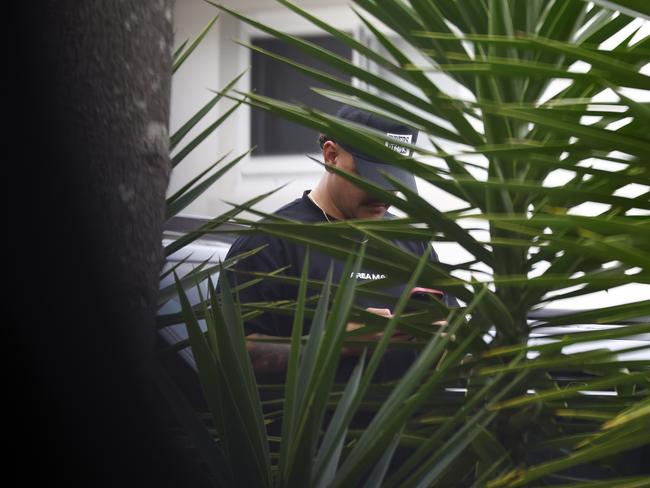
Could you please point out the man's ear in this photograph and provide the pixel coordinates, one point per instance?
(330, 153)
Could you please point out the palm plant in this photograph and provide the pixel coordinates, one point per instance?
(484, 404)
(182, 143)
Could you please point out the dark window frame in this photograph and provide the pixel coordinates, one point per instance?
(273, 136)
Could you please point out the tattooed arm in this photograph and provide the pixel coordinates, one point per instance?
(270, 360)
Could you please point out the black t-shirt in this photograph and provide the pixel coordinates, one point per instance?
(280, 253)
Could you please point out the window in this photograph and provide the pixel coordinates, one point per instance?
(276, 136)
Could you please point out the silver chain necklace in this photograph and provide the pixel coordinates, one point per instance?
(325, 214)
(319, 208)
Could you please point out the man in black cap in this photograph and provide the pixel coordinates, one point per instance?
(334, 198)
(341, 198)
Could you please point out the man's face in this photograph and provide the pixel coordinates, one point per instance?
(350, 200)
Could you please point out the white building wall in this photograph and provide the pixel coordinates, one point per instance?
(190, 91)
(216, 62)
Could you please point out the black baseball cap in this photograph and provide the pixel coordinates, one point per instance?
(370, 168)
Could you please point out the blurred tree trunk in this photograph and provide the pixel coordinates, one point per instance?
(93, 167)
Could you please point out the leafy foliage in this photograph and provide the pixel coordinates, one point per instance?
(487, 403)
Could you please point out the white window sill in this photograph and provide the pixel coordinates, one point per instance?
(279, 165)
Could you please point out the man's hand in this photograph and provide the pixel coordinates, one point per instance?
(373, 336)
(383, 312)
